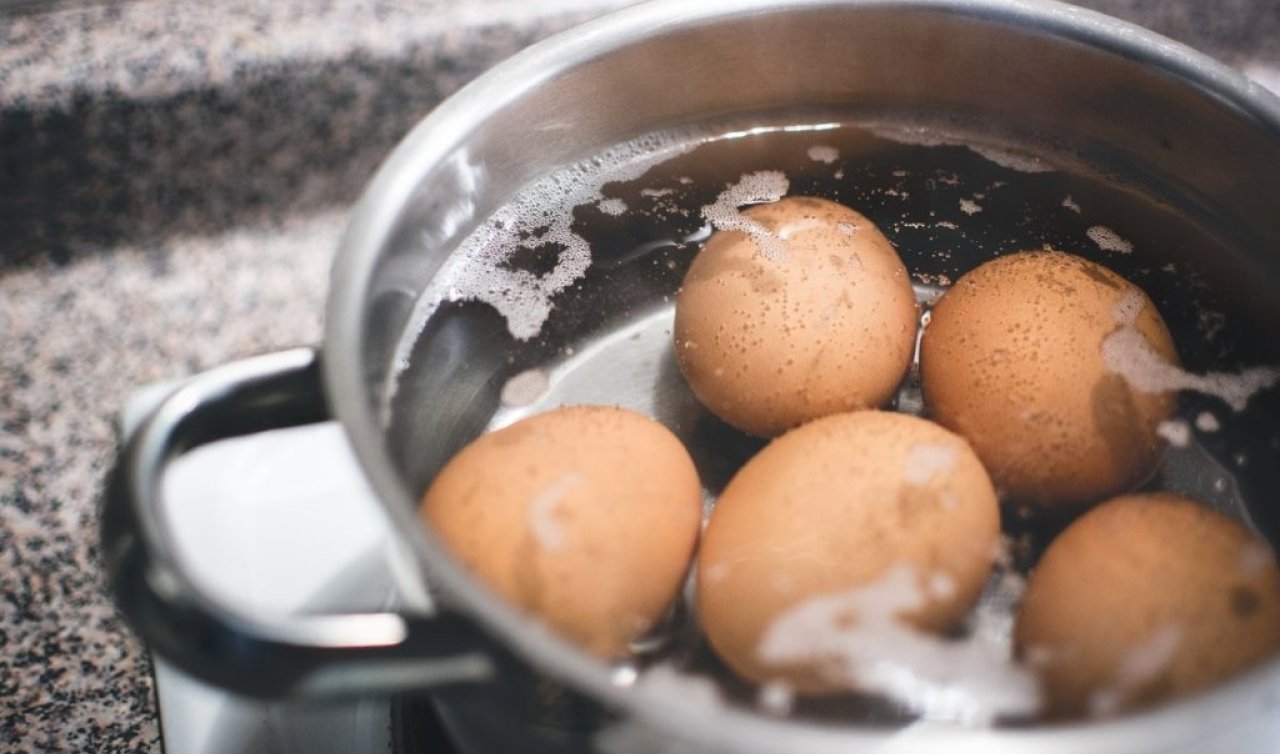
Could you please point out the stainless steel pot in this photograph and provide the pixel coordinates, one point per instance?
(1143, 110)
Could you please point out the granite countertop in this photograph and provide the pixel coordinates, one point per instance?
(173, 179)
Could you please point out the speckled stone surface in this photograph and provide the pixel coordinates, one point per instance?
(173, 178)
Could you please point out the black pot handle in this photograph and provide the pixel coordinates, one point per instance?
(293, 656)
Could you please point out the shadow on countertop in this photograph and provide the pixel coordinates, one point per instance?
(106, 169)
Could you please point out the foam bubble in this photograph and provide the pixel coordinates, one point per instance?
(1127, 353)
(1142, 664)
(919, 136)
(525, 388)
(776, 697)
(823, 154)
(1071, 204)
(1207, 422)
(931, 137)
(613, 207)
(970, 207)
(942, 586)
(969, 681)
(667, 682)
(1128, 307)
(1176, 433)
(717, 572)
(1108, 240)
(547, 530)
(1016, 161)
(1255, 557)
(480, 269)
(624, 674)
(1210, 323)
(753, 188)
(927, 460)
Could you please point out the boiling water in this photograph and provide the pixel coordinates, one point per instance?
(569, 300)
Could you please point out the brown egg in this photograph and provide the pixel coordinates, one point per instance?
(1144, 598)
(585, 517)
(1012, 359)
(826, 323)
(838, 508)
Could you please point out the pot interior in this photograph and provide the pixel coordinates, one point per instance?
(963, 130)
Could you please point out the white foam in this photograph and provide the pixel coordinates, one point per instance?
(1017, 161)
(927, 460)
(993, 618)
(970, 207)
(613, 206)
(776, 698)
(1175, 432)
(539, 215)
(1210, 323)
(918, 136)
(942, 586)
(856, 639)
(1071, 204)
(544, 523)
(823, 154)
(1108, 240)
(1128, 307)
(716, 572)
(1255, 557)
(1142, 664)
(930, 137)
(1207, 422)
(525, 388)
(752, 188)
(665, 681)
(1127, 353)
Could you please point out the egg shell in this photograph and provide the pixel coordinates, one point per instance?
(834, 506)
(769, 343)
(585, 517)
(1012, 359)
(1145, 598)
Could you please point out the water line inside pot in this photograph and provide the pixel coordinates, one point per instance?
(946, 207)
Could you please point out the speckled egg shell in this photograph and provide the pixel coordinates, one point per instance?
(584, 517)
(1145, 598)
(769, 343)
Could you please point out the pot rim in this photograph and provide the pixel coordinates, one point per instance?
(433, 141)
